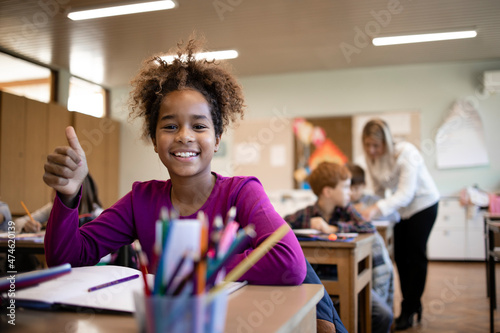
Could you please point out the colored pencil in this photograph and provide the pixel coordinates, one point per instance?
(28, 212)
(176, 271)
(112, 283)
(253, 257)
(201, 271)
(238, 246)
(143, 264)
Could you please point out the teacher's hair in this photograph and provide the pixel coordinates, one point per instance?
(379, 130)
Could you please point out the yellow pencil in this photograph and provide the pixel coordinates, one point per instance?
(253, 257)
(28, 212)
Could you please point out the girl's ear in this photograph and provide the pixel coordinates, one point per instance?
(154, 145)
(217, 143)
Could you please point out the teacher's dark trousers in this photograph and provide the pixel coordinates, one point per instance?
(410, 245)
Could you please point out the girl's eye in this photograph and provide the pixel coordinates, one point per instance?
(199, 127)
(169, 127)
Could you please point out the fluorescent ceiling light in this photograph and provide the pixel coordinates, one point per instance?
(121, 10)
(215, 55)
(380, 41)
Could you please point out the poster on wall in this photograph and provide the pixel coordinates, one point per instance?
(313, 146)
(460, 141)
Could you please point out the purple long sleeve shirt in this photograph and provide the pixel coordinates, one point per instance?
(134, 216)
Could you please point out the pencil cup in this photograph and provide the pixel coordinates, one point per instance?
(181, 314)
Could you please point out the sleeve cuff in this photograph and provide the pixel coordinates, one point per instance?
(383, 207)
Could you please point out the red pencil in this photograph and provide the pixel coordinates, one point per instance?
(143, 265)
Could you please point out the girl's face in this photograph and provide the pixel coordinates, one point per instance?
(373, 147)
(185, 136)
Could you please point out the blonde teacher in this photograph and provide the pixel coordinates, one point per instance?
(400, 168)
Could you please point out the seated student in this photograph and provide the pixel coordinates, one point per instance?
(89, 209)
(359, 198)
(332, 213)
(5, 216)
(186, 106)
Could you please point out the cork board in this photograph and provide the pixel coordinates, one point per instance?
(264, 148)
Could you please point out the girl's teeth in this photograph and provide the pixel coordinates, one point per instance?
(185, 154)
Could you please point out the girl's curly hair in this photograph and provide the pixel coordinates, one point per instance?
(157, 78)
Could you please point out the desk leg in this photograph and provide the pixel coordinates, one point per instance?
(492, 279)
(486, 255)
(491, 264)
(367, 308)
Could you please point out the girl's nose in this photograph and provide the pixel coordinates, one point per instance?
(185, 135)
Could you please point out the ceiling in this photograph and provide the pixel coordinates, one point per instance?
(271, 36)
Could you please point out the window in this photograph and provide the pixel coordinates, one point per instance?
(86, 97)
(23, 78)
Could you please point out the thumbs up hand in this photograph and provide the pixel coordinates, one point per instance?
(66, 168)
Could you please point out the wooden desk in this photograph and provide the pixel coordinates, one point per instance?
(24, 246)
(27, 246)
(353, 286)
(491, 228)
(250, 309)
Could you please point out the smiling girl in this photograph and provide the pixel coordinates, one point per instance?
(186, 106)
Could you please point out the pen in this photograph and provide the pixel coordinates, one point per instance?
(201, 267)
(112, 283)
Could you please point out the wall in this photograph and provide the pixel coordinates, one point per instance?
(429, 88)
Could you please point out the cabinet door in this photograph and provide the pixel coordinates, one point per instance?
(112, 130)
(475, 249)
(35, 190)
(450, 214)
(99, 138)
(446, 243)
(12, 130)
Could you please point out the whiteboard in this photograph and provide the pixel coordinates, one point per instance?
(460, 140)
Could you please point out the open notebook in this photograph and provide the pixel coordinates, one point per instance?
(70, 291)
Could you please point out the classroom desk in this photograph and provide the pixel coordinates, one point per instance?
(353, 284)
(386, 230)
(250, 309)
(27, 246)
(491, 228)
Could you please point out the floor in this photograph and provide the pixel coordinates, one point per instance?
(454, 299)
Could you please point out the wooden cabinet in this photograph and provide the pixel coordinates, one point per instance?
(36, 150)
(23, 152)
(13, 139)
(455, 236)
(30, 130)
(99, 138)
